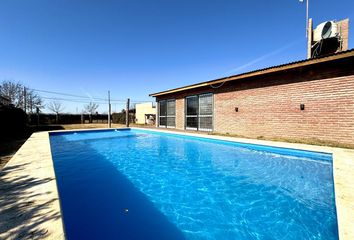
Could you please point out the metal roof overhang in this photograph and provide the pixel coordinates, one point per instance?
(279, 68)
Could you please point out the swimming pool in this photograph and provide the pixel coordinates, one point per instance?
(137, 184)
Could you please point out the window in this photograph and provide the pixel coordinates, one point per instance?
(206, 112)
(192, 113)
(199, 112)
(167, 113)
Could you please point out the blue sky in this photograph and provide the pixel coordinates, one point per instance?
(134, 48)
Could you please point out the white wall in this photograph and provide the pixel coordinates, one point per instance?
(142, 109)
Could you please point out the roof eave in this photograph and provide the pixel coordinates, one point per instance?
(274, 69)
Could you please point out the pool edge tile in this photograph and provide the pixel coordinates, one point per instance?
(343, 171)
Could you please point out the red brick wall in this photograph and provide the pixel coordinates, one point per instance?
(274, 111)
(344, 28)
(180, 113)
(269, 105)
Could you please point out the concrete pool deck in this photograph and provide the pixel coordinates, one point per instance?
(29, 200)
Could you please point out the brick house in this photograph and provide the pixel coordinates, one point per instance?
(309, 99)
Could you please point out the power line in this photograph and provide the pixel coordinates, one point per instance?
(80, 100)
(65, 94)
(71, 100)
(83, 97)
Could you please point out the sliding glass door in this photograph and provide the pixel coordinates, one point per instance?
(199, 112)
(162, 113)
(167, 113)
(206, 112)
(171, 114)
(192, 113)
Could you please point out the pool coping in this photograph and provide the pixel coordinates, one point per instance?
(35, 159)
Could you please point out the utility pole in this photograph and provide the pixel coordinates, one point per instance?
(37, 111)
(31, 104)
(127, 113)
(109, 109)
(307, 16)
(25, 99)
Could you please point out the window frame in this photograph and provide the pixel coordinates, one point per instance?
(206, 115)
(167, 115)
(199, 116)
(186, 113)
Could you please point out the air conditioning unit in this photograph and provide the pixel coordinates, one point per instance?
(325, 30)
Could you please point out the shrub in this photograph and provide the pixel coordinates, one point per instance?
(12, 121)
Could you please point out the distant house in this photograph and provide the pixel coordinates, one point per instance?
(145, 113)
(307, 99)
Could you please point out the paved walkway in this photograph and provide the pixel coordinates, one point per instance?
(29, 204)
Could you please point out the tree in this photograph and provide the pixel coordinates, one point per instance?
(33, 100)
(20, 96)
(56, 107)
(14, 92)
(91, 109)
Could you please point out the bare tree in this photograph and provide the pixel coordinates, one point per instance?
(56, 107)
(33, 100)
(14, 92)
(91, 109)
(20, 96)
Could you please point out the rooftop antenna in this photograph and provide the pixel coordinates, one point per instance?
(307, 15)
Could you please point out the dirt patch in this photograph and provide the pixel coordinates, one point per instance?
(8, 148)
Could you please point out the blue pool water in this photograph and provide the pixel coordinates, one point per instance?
(136, 184)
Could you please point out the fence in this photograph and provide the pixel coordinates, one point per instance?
(42, 118)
